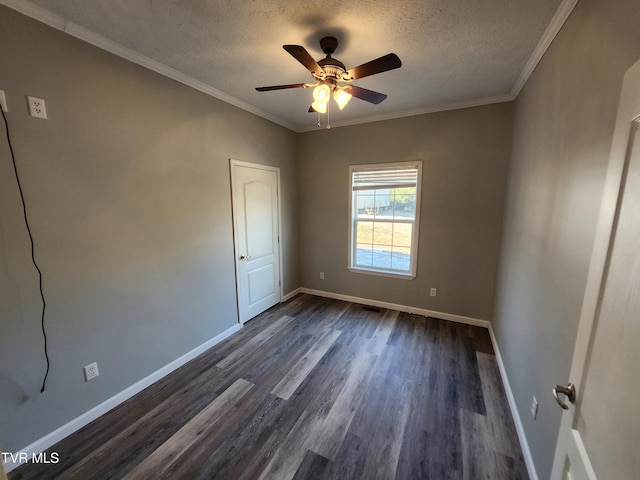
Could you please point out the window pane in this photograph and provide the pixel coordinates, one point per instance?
(402, 234)
(365, 203)
(401, 258)
(382, 233)
(364, 232)
(382, 202)
(382, 257)
(404, 203)
(364, 255)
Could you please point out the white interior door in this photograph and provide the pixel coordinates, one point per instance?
(256, 220)
(599, 433)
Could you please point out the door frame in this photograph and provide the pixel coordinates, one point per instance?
(628, 112)
(259, 166)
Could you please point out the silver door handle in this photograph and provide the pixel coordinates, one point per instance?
(243, 257)
(569, 391)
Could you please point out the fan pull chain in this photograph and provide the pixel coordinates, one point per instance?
(328, 117)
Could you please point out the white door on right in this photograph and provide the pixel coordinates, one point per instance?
(600, 434)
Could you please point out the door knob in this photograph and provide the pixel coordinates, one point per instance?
(569, 391)
(242, 257)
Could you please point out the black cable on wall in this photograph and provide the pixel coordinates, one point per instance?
(33, 257)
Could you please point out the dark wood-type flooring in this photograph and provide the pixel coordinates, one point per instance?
(312, 389)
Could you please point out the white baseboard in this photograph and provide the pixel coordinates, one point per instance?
(291, 294)
(402, 308)
(524, 444)
(77, 423)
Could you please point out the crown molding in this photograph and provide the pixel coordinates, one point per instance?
(563, 12)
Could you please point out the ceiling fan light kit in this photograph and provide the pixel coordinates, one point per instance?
(342, 97)
(329, 72)
(321, 96)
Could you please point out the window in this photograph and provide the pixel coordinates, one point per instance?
(384, 205)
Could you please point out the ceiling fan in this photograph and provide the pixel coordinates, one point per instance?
(330, 72)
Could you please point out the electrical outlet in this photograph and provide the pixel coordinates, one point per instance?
(91, 372)
(37, 107)
(321, 275)
(534, 407)
(3, 101)
(433, 292)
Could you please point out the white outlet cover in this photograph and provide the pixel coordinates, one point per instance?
(37, 107)
(91, 372)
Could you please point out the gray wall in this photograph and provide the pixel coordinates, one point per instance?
(127, 189)
(465, 155)
(564, 120)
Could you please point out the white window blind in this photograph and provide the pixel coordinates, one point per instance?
(376, 179)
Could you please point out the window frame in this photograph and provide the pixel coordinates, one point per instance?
(353, 219)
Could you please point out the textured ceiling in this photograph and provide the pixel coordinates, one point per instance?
(454, 52)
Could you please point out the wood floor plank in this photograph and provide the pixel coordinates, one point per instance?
(312, 388)
(287, 460)
(500, 427)
(292, 380)
(510, 467)
(349, 464)
(312, 467)
(468, 375)
(156, 464)
(329, 437)
(443, 442)
(415, 455)
(235, 453)
(253, 343)
(477, 456)
(378, 341)
(386, 442)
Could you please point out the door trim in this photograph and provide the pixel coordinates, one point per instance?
(259, 166)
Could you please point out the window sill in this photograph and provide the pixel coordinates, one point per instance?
(382, 273)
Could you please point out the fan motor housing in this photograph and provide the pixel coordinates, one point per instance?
(328, 44)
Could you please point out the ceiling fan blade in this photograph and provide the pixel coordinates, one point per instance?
(364, 94)
(301, 54)
(379, 65)
(280, 87)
